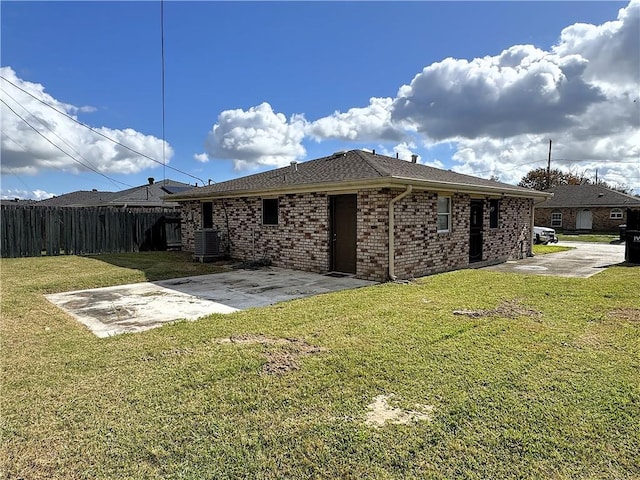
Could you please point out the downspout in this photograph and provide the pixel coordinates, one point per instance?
(531, 225)
(392, 247)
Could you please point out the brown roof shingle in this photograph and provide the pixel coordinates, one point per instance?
(342, 167)
(588, 196)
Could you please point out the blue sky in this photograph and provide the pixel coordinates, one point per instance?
(476, 87)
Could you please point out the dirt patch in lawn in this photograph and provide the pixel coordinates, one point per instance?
(282, 359)
(381, 412)
(628, 314)
(508, 309)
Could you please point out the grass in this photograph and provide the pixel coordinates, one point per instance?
(546, 249)
(553, 395)
(589, 237)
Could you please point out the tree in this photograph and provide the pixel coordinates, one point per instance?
(537, 179)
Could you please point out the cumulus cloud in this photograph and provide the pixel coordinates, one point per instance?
(201, 157)
(25, 151)
(522, 90)
(256, 137)
(611, 48)
(497, 112)
(11, 194)
(603, 137)
(372, 122)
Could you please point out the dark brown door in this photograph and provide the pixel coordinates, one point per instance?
(343, 233)
(475, 231)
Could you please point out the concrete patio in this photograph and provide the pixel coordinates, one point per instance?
(142, 306)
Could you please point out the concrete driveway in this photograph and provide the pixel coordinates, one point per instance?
(142, 306)
(584, 260)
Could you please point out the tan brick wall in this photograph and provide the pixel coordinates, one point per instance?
(421, 250)
(373, 234)
(301, 239)
(512, 238)
(601, 221)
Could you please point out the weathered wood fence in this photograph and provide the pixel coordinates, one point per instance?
(33, 231)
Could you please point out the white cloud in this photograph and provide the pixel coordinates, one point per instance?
(498, 112)
(522, 90)
(201, 157)
(611, 48)
(11, 194)
(26, 152)
(359, 124)
(256, 137)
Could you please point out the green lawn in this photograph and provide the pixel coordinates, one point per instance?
(589, 237)
(539, 380)
(545, 249)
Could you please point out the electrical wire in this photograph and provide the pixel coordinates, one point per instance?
(56, 146)
(97, 132)
(44, 124)
(164, 163)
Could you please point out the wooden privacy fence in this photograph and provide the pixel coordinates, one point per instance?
(33, 231)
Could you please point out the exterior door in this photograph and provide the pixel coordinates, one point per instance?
(344, 213)
(475, 231)
(584, 220)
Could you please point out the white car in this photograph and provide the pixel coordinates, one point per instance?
(544, 235)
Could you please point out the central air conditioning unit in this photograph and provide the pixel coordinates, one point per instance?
(207, 246)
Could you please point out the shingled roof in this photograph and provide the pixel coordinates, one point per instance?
(148, 195)
(588, 196)
(80, 198)
(354, 168)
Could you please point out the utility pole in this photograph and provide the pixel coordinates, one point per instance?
(549, 167)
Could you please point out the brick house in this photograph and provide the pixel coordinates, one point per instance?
(585, 208)
(369, 215)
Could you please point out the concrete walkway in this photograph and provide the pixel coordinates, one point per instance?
(583, 260)
(142, 306)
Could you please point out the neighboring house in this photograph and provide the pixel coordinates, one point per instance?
(360, 213)
(585, 208)
(151, 195)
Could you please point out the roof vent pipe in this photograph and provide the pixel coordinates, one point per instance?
(294, 166)
(396, 154)
(373, 151)
(414, 158)
(151, 180)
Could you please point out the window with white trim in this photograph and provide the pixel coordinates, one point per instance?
(444, 214)
(270, 211)
(616, 213)
(556, 219)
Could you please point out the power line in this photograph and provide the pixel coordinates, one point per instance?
(56, 146)
(99, 133)
(112, 180)
(164, 163)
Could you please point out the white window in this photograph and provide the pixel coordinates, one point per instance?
(556, 219)
(616, 213)
(444, 214)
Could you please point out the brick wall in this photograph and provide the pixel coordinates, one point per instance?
(301, 239)
(422, 250)
(601, 221)
(372, 252)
